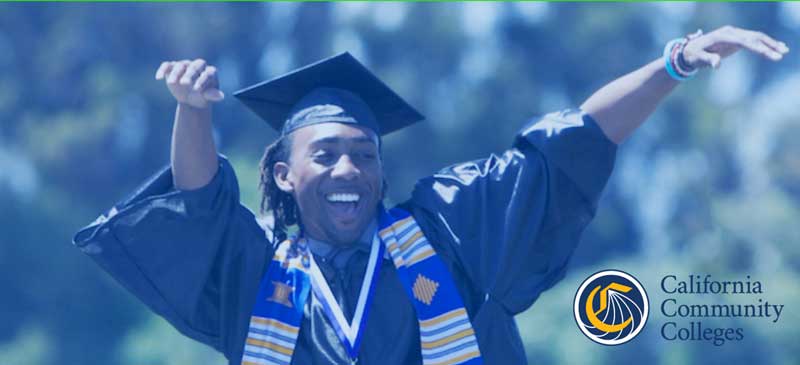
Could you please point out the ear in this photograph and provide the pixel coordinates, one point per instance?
(281, 175)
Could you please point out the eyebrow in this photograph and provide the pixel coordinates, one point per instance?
(333, 140)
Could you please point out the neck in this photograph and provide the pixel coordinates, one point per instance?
(365, 238)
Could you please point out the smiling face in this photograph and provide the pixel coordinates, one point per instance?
(335, 175)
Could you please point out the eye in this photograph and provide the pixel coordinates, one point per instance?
(323, 157)
(367, 155)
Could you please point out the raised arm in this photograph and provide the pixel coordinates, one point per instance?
(190, 254)
(194, 86)
(622, 105)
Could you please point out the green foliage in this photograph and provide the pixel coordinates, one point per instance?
(155, 342)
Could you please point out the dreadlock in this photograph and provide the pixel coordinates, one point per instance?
(280, 203)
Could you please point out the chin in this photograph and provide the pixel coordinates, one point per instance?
(348, 233)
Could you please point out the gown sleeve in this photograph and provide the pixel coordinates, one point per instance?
(513, 220)
(193, 257)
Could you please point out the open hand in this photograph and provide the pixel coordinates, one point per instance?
(709, 49)
(191, 82)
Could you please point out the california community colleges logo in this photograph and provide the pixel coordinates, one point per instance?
(611, 307)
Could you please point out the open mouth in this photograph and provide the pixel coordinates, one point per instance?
(344, 205)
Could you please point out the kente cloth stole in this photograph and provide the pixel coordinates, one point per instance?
(446, 334)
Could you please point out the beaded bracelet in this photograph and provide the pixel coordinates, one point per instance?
(673, 58)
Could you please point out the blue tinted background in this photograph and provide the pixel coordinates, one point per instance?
(710, 185)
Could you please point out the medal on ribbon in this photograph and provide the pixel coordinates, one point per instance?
(349, 333)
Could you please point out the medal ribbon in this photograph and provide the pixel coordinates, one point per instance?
(349, 333)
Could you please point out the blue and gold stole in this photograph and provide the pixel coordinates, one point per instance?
(446, 333)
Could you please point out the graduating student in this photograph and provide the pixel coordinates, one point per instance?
(435, 280)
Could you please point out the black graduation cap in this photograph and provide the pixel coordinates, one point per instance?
(336, 89)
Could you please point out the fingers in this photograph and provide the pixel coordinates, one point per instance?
(769, 46)
(163, 69)
(193, 70)
(712, 59)
(191, 81)
(177, 71)
(776, 45)
(756, 42)
(187, 72)
(757, 46)
(213, 95)
(208, 78)
(209, 85)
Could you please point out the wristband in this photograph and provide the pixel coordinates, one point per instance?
(674, 63)
(672, 52)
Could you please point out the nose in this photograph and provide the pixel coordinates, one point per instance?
(345, 169)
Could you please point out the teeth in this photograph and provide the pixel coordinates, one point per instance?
(343, 198)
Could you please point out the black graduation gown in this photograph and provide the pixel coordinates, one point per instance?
(505, 226)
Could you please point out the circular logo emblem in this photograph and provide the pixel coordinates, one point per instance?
(611, 307)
